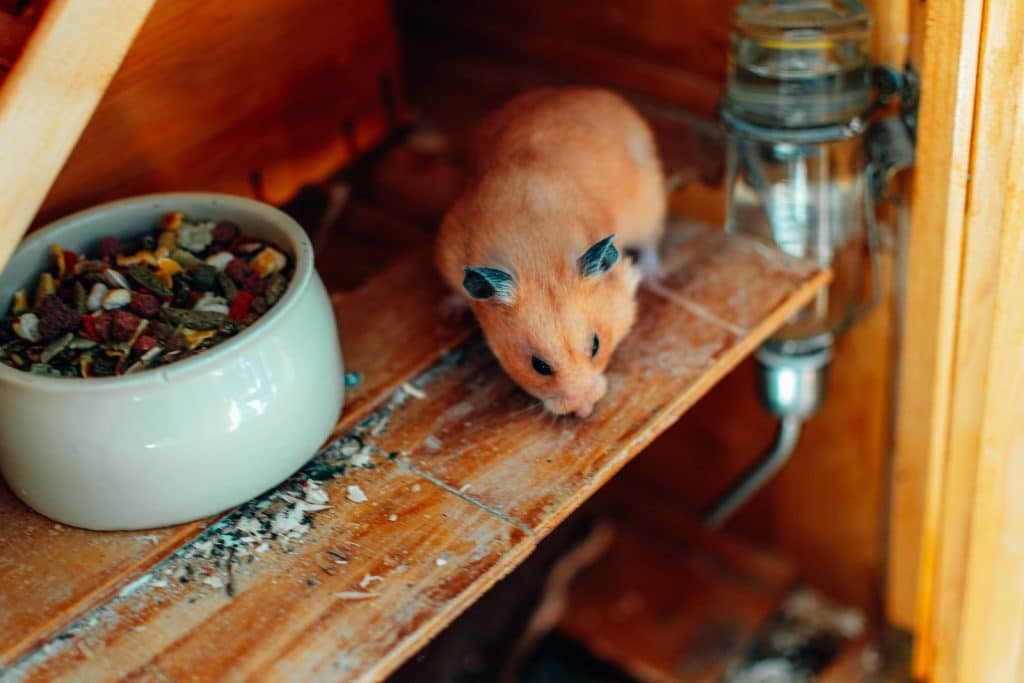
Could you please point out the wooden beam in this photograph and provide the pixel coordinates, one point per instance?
(930, 301)
(975, 630)
(49, 95)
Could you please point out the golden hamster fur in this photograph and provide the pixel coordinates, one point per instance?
(560, 181)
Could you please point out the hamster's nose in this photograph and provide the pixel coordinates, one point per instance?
(584, 409)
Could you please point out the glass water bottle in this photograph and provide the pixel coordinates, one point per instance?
(798, 89)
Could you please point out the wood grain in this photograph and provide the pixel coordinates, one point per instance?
(944, 49)
(479, 531)
(671, 601)
(49, 95)
(255, 98)
(927, 344)
(976, 586)
(286, 621)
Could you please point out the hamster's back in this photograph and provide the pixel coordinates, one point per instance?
(569, 127)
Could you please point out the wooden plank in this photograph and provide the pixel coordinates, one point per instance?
(976, 630)
(55, 581)
(51, 573)
(196, 632)
(397, 310)
(49, 95)
(672, 601)
(286, 619)
(237, 103)
(927, 337)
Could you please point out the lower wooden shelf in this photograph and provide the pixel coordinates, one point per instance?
(462, 476)
(672, 602)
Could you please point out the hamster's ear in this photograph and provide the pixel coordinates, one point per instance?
(599, 258)
(489, 283)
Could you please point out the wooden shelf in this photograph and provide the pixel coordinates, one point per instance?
(475, 478)
(672, 602)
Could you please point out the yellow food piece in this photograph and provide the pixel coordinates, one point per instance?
(19, 304)
(58, 254)
(167, 239)
(267, 262)
(172, 220)
(167, 268)
(196, 337)
(145, 257)
(44, 288)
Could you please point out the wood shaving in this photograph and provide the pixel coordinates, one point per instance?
(356, 495)
(369, 579)
(355, 595)
(415, 392)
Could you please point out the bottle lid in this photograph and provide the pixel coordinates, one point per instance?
(799, 63)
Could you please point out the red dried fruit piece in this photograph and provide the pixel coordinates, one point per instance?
(158, 329)
(101, 324)
(89, 328)
(55, 318)
(238, 270)
(144, 304)
(70, 261)
(123, 324)
(108, 247)
(243, 276)
(143, 344)
(240, 306)
(255, 284)
(225, 232)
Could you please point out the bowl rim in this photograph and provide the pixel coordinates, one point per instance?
(302, 249)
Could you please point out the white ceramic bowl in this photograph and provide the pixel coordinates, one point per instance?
(184, 440)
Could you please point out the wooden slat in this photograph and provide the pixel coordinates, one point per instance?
(922, 402)
(194, 632)
(50, 573)
(976, 630)
(395, 310)
(49, 95)
(671, 601)
(285, 620)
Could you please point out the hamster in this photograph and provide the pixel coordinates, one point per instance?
(560, 182)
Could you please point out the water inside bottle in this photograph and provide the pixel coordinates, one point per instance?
(808, 201)
(798, 63)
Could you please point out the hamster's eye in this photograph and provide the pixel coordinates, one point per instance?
(595, 347)
(541, 367)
